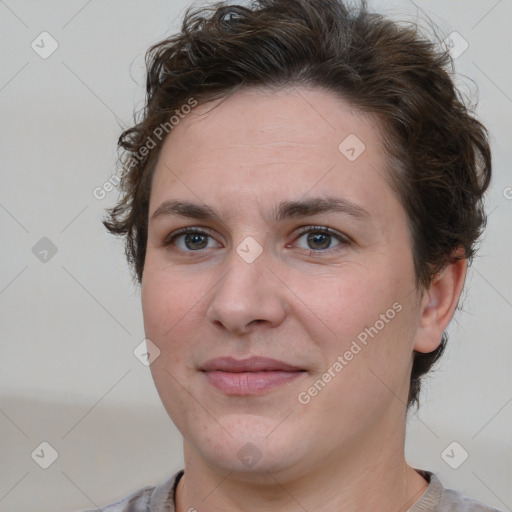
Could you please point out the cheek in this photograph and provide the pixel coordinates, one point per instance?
(365, 316)
(346, 300)
(169, 312)
(166, 297)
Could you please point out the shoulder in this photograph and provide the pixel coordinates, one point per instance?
(438, 498)
(152, 498)
(137, 501)
(452, 500)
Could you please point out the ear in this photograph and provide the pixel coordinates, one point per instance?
(438, 305)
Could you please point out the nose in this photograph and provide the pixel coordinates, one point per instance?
(248, 294)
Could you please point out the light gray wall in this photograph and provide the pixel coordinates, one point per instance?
(70, 324)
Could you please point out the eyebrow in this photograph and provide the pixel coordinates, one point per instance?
(283, 210)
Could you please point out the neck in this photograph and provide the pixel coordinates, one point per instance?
(372, 474)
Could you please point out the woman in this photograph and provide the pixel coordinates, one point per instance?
(300, 202)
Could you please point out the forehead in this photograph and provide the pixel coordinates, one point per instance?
(293, 115)
(260, 144)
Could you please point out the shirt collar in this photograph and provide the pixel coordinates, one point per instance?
(162, 497)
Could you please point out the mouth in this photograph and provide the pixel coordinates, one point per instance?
(253, 376)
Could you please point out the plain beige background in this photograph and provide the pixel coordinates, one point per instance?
(70, 324)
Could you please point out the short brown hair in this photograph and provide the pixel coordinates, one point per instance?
(439, 155)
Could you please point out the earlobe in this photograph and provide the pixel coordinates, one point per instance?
(438, 305)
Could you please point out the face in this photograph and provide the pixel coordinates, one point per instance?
(287, 318)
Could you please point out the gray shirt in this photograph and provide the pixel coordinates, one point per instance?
(160, 498)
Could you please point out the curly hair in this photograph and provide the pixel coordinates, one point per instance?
(438, 152)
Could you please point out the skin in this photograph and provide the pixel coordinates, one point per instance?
(299, 301)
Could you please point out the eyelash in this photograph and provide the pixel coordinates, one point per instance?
(343, 239)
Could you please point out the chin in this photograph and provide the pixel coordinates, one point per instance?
(247, 445)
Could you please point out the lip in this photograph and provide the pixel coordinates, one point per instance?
(252, 364)
(251, 376)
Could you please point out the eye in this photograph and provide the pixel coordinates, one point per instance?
(194, 239)
(320, 237)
